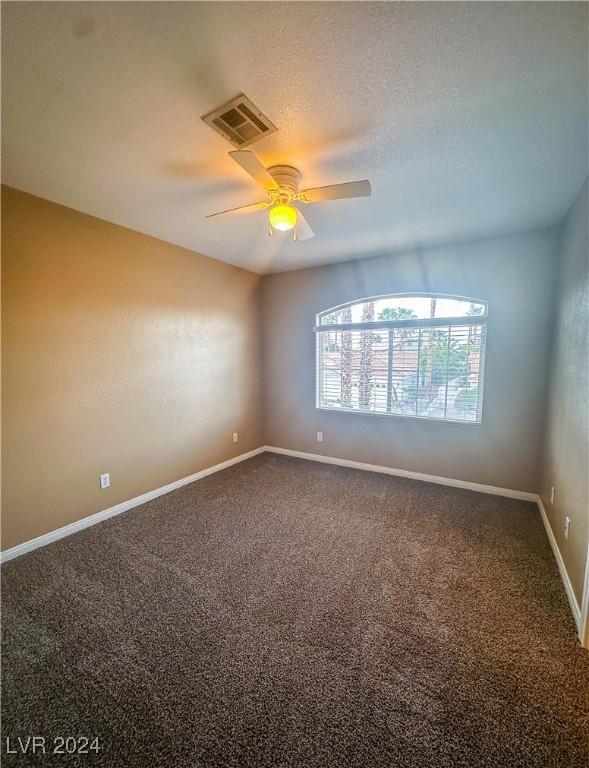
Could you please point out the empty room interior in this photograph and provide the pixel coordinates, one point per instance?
(295, 384)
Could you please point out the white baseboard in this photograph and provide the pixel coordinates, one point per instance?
(584, 631)
(86, 522)
(492, 489)
(78, 525)
(576, 610)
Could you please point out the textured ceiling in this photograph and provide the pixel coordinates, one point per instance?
(470, 119)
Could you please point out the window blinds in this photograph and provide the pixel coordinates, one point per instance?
(428, 368)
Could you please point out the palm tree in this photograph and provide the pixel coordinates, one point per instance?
(346, 358)
(446, 357)
(366, 357)
(398, 313)
(430, 339)
(474, 336)
(332, 319)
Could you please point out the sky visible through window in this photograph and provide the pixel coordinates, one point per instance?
(419, 306)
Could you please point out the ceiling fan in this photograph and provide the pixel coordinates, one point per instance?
(281, 183)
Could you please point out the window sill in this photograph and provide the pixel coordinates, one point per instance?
(476, 423)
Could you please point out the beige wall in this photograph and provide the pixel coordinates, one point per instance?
(566, 461)
(514, 274)
(120, 354)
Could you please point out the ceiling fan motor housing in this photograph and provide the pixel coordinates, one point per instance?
(287, 178)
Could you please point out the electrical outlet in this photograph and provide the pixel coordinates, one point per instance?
(552, 495)
(567, 527)
(319, 437)
(105, 480)
(235, 437)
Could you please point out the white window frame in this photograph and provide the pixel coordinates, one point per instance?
(412, 323)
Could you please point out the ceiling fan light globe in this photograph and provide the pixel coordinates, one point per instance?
(283, 217)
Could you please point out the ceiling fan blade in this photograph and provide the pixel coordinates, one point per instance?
(336, 191)
(241, 209)
(251, 165)
(302, 229)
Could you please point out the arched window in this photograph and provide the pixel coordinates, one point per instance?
(418, 355)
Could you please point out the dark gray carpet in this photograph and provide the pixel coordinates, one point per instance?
(287, 613)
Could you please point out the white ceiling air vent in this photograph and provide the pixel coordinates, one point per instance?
(240, 122)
